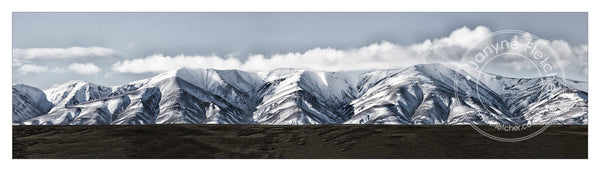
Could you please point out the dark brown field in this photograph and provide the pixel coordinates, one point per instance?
(313, 141)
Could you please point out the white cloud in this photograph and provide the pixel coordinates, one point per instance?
(61, 53)
(161, 63)
(382, 55)
(570, 55)
(32, 68)
(85, 69)
(572, 58)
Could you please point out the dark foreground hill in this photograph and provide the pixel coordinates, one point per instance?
(302, 141)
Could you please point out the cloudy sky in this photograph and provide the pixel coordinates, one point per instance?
(116, 48)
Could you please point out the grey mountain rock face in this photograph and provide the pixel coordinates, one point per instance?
(28, 102)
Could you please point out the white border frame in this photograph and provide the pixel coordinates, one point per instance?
(10, 165)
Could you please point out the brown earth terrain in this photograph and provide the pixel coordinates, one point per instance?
(298, 142)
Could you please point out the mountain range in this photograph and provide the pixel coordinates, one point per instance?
(420, 94)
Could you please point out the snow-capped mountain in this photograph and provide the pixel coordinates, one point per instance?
(421, 94)
(290, 96)
(28, 102)
(75, 92)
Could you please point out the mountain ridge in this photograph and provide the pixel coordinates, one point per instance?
(420, 94)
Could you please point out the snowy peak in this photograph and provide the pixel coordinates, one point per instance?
(75, 92)
(335, 86)
(291, 96)
(28, 102)
(424, 94)
(421, 94)
(32, 93)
